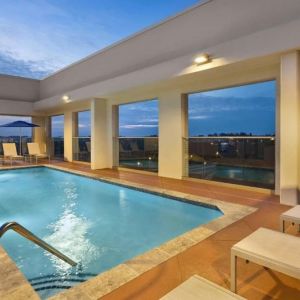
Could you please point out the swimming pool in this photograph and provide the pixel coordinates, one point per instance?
(259, 177)
(97, 224)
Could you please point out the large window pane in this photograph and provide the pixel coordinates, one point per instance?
(138, 140)
(232, 134)
(82, 138)
(57, 136)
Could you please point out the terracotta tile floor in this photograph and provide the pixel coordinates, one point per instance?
(211, 257)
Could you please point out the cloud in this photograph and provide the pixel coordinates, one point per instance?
(38, 37)
(209, 104)
(12, 66)
(135, 126)
(150, 120)
(81, 125)
(199, 117)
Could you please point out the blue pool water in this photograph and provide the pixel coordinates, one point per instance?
(252, 176)
(95, 223)
(260, 177)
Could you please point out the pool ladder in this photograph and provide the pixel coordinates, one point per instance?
(33, 238)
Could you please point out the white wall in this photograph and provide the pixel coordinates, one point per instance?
(19, 89)
(18, 108)
(289, 128)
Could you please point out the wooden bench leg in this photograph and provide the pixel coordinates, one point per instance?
(233, 266)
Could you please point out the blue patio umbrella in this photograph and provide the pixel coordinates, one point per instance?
(20, 124)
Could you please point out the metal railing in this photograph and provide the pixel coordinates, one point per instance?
(138, 153)
(248, 160)
(33, 238)
(82, 149)
(56, 146)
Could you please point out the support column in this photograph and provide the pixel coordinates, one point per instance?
(69, 127)
(39, 134)
(289, 128)
(100, 142)
(172, 130)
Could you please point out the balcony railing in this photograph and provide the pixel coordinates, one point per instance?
(243, 160)
(16, 140)
(82, 149)
(138, 153)
(56, 146)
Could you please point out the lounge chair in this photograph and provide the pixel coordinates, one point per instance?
(268, 248)
(197, 288)
(292, 215)
(10, 152)
(35, 151)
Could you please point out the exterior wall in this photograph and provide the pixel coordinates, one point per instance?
(18, 108)
(289, 128)
(19, 89)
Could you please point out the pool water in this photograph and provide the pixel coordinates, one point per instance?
(260, 177)
(252, 176)
(142, 164)
(97, 224)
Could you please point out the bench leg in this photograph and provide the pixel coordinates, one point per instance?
(282, 225)
(233, 262)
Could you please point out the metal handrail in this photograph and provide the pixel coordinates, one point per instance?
(136, 137)
(245, 137)
(33, 238)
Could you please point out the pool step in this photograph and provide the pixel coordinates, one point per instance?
(57, 282)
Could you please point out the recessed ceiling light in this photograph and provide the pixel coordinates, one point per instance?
(202, 59)
(66, 98)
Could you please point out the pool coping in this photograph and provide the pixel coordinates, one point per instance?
(115, 277)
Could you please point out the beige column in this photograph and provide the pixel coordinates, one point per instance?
(172, 130)
(69, 127)
(100, 141)
(289, 128)
(39, 134)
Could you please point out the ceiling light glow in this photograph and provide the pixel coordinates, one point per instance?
(202, 59)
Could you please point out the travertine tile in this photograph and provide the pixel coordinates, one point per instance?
(148, 260)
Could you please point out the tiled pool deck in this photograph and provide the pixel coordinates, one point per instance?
(204, 250)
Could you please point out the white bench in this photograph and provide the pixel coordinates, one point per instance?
(197, 288)
(271, 249)
(292, 215)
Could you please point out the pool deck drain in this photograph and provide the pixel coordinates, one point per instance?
(19, 288)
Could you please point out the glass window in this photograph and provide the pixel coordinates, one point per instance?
(232, 134)
(57, 126)
(139, 119)
(84, 123)
(138, 130)
(82, 140)
(57, 136)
